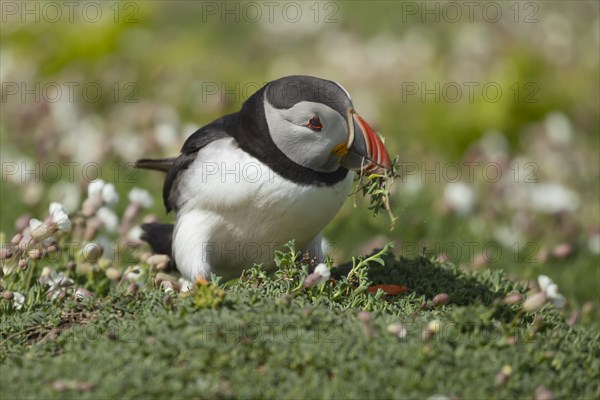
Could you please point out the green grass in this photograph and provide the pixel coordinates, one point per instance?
(269, 339)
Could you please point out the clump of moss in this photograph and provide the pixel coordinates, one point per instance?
(207, 294)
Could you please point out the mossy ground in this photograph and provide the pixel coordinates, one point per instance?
(269, 339)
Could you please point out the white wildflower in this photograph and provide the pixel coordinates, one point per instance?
(320, 275)
(460, 197)
(40, 231)
(56, 207)
(18, 300)
(551, 290)
(548, 291)
(543, 282)
(323, 271)
(62, 221)
(141, 197)
(109, 194)
(58, 280)
(135, 233)
(108, 218)
(34, 223)
(95, 188)
(558, 128)
(553, 197)
(185, 285)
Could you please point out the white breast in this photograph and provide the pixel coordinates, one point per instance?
(235, 211)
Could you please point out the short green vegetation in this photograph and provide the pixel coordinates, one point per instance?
(269, 335)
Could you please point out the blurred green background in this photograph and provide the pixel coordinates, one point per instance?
(492, 107)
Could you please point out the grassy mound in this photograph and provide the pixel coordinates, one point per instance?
(275, 336)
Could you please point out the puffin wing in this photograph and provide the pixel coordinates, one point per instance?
(159, 236)
(216, 130)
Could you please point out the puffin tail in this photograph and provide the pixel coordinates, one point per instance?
(159, 237)
(157, 164)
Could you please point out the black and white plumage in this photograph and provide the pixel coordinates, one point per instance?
(279, 169)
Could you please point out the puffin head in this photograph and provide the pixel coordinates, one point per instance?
(313, 122)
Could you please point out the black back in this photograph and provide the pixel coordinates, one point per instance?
(203, 136)
(250, 130)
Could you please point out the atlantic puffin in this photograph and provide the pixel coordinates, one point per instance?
(249, 182)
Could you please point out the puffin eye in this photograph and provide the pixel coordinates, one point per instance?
(315, 124)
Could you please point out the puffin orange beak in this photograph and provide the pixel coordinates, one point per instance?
(364, 150)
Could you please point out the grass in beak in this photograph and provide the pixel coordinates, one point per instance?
(378, 186)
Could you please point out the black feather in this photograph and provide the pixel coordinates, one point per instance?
(158, 164)
(217, 129)
(202, 137)
(159, 237)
